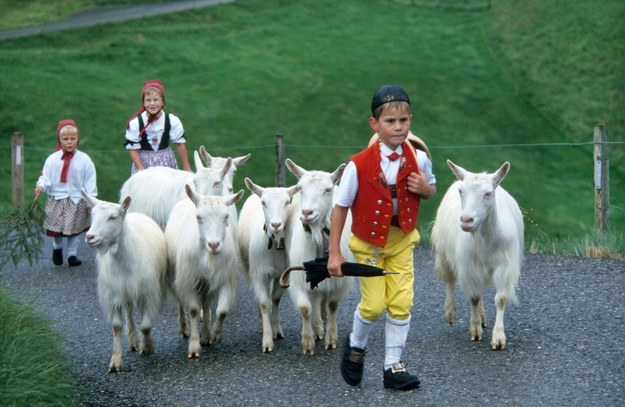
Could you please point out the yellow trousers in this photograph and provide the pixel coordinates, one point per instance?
(392, 293)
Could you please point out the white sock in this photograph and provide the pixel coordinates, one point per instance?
(57, 242)
(395, 334)
(360, 331)
(72, 245)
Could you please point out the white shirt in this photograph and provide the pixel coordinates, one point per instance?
(154, 132)
(81, 175)
(348, 187)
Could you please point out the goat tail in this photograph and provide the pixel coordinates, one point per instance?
(284, 277)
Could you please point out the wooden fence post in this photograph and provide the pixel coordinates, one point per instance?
(280, 156)
(602, 179)
(17, 168)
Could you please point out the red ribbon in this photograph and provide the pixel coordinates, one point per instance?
(67, 159)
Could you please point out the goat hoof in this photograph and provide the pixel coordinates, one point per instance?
(114, 368)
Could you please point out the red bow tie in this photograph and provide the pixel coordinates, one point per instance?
(394, 156)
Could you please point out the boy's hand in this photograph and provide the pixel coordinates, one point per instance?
(334, 265)
(417, 184)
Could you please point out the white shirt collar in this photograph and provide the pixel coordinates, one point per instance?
(386, 151)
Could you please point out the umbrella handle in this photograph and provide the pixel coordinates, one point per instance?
(285, 275)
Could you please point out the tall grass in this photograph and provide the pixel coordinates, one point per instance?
(32, 369)
(237, 74)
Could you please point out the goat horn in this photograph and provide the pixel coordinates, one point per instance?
(285, 275)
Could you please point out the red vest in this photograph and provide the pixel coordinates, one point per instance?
(372, 209)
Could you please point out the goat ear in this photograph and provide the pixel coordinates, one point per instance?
(240, 160)
(207, 157)
(126, 203)
(458, 170)
(91, 201)
(197, 161)
(294, 168)
(501, 173)
(338, 173)
(191, 194)
(234, 198)
(226, 167)
(255, 189)
(292, 190)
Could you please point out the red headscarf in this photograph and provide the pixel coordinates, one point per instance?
(67, 157)
(151, 83)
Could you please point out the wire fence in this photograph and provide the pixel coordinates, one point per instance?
(249, 148)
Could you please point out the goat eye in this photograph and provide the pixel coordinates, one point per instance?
(199, 220)
(488, 195)
(226, 220)
(328, 191)
(112, 218)
(264, 204)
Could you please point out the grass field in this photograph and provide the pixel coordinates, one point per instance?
(33, 371)
(523, 82)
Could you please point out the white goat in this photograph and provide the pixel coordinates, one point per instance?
(219, 162)
(261, 233)
(478, 239)
(132, 264)
(203, 263)
(156, 190)
(307, 238)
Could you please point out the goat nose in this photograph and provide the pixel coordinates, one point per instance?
(466, 219)
(89, 237)
(213, 246)
(307, 212)
(276, 225)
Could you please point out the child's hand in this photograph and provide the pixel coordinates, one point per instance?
(38, 191)
(417, 184)
(334, 265)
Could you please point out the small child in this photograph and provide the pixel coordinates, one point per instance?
(150, 130)
(64, 174)
(382, 186)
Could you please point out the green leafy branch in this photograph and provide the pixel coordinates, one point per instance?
(21, 234)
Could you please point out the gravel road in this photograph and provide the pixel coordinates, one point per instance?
(565, 345)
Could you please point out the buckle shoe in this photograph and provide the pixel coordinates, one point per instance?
(397, 377)
(57, 256)
(73, 261)
(352, 364)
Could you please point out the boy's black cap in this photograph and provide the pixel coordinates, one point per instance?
(388, 93)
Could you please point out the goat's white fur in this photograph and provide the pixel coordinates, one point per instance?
(219, 162)
(314, 206)
(156, 190)
(132, 263)
(261, 233)
(478, 240)
(203, 263)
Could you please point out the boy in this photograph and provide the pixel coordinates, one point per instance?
(383, 186)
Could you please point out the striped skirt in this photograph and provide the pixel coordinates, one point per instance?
(160, 158)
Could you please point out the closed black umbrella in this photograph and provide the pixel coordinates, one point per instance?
(317, 271)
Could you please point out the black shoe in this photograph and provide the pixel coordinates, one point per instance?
(57, 256)
(73, 261)
(352, 364)
(396, 377)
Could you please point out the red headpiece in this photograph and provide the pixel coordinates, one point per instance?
(63, 123)
(151, 83)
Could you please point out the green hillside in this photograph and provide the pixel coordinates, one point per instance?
(519, 81)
